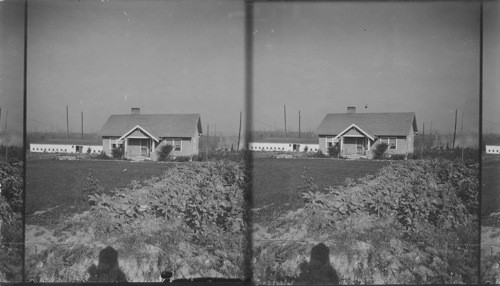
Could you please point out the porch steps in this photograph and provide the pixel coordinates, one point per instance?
(355, 157)
(137, 159)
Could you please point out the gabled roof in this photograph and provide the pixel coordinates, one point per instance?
(138, 131)
(159, 125)
(68, 141)
(290, 140)
(355, 127)
(378, 124)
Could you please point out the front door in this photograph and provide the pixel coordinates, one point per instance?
(350, 145)
(138, 147)
(354, 145)
(360, 143)
(144, 147)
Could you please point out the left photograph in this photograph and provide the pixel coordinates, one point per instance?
(135, 170)
(11, 140)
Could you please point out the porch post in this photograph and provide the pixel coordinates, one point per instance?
(341, 144)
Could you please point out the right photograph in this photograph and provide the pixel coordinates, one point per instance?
(490, 192)
(365, 142)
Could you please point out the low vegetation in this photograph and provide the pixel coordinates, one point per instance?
(11, 228)
(469, 155)
(380, 151)
(164, 153)
(334, 151)
(189, 221)
(11, 153)
(413, 222)
(117, 152)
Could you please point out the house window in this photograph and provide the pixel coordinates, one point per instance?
(113, 143)
(391, 142)
(177, 145)
(329, 141)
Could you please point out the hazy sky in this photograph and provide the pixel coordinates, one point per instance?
(392, 56)
(11, 65)
(491, 68)
(104, 57)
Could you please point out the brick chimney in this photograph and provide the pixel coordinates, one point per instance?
(136, 110)
(351, 109)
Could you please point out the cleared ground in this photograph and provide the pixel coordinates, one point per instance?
(490, 193)
(276, 181)
(54, 188)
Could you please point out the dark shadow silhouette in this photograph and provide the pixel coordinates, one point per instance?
(107, 269)
(318, 270)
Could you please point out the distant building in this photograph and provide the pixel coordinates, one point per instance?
(66, 146)
(492, 149)
(358, 133)
(143, 135)
(284, 144)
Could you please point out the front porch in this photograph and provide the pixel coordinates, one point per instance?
(138, 144)
(354, 142)
(138, 147)
(354, 145)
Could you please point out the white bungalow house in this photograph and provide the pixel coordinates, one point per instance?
(357, 134)
(143, 135)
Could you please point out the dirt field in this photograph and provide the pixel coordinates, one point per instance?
(490, 188)
(55, 188)
(276, 181)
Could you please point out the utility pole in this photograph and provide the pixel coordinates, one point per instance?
(208, 137)
(299, 123)
(462, 128)
(239, 135)
(455, 130)
(423, 133)
(0, 115)
(284, 111)
(6, 118)
(82, 125)
(67, 123)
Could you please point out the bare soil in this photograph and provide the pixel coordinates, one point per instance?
(55, 189)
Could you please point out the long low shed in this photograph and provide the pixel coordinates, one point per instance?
(283, 146)
(64, 148)
(492, 149)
